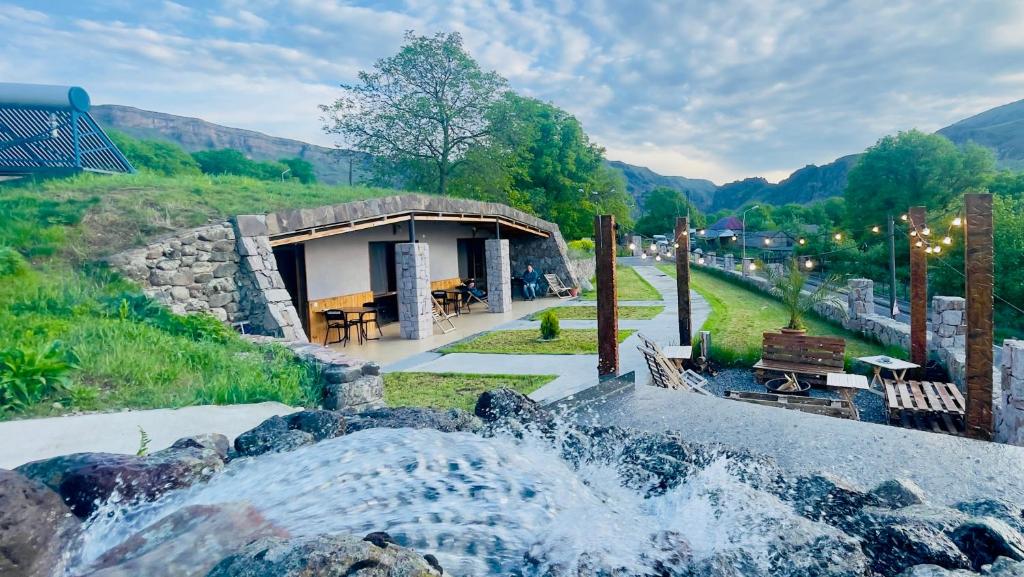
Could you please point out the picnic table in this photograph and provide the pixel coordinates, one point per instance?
(897, 367)
(926, 405)
(847, 386)
(677, 354)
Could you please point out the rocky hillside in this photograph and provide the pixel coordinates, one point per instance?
(640, 180)
(808, 184)
(1001, 129)
(194, 134)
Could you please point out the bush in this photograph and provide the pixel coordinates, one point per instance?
(11, 262)
(28, 375)
(549, 328)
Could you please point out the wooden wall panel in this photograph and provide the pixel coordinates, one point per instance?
(317, 325)
(444, 284)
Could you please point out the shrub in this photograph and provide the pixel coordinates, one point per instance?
(549, 328)
(11, 262)
(581, 248)
(28, 375)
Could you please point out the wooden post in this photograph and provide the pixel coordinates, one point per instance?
(607, 300)
(683, 279)
(978, 264)
(918, 289)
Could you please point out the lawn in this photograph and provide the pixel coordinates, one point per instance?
(587, 312)
(739, 316)
(630, 287)
(452, 390)
(527, 342)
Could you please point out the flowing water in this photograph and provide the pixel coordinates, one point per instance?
(484, 505)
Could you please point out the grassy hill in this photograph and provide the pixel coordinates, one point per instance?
(74, 336)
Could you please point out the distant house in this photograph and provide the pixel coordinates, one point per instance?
(726, 235)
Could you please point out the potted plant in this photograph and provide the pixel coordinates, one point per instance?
(787, 284)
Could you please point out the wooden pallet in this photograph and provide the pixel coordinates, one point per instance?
(925, 405)
(828, 407)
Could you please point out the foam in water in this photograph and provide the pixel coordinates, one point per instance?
(481, 505)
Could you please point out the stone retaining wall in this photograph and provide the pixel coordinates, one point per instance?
(1010, 420)
(584, 268)
(548, 255)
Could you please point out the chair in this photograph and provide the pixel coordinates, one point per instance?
(442, 319)
(374, 319)
(336, 320)
(556, 287)
(441, 296)
(664, 375)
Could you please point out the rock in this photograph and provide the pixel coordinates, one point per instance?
(36, 527)
(215, 441)
(936, 571)
(86, 480)
(321, 424)
(271, 436)
(895, 548)
(933, 518)
(380, 539)
(367, 390)
(898, 493)
(998, 508)
(186, 543)
(511, 406)
(1005, 567)
(324, 556)
(825, 497)
(450, 421)
(983, 539)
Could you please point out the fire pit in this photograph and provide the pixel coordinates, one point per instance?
(788, 385)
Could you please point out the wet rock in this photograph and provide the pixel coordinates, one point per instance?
(321, 424)
(186, 543)
(87, 480)
(380, 539)
(1005, 567)
(271, 436)
(936, 571)
(450, 421)
(507, 405)
(215, 441)
(334, 556)
(35, 527)
(895, 548)
(826, 497)
(998, 508)
(897, 493)
(983, 539)
(933, 518)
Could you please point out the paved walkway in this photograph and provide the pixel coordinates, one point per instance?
(575, 372)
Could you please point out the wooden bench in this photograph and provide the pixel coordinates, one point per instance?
(812, 357)
(828, 407)
(925, 405)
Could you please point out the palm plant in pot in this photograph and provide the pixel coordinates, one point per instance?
(787, 284)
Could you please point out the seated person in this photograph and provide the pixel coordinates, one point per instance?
(472, 289)
(530, 278)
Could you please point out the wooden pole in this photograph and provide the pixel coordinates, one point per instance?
(683, 279)
(607, 303)
(918, 289)
(978, 265)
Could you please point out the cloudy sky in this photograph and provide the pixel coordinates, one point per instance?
(719, 90)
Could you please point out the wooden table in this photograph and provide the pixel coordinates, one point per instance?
(678, 354)
(897, 367)
(847, 386)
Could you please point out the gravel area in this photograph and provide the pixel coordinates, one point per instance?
(870, 405)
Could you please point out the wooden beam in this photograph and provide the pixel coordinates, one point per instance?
(353, 226)
(978, 285)
(682, 254)
(918, 288)
(607, 300)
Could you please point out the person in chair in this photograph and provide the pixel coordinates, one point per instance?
(530, 278)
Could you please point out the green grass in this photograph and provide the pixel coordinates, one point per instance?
(739, 316)
(452, 390)
(587, 312)
(527, 342)
(630, 286)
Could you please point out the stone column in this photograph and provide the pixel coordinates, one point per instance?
(499, 275)
(746, 266)
(948, 322)
(711, 259)
(730, 263)
(1011, 418)
(860, 301)
(415, 310)
(638, 245)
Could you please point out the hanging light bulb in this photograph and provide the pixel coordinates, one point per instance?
(753, 266)
(839, 236)
(874, 229)
(809, 264)
(675, 245)
(928, 249)
(904, 217)
(947, 240)
(632, 246)
(937, 248)
(701, 232)
(926, 231)
(913, 233)
(669, 254)
(643, 256)
(734, 238)
(919, 244)
(767, 241)
(957, 221)
(700, 260)
(654, 248)
(803, 241)
(686, 233)
(658, 258)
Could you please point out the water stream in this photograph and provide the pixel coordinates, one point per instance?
(485, 505)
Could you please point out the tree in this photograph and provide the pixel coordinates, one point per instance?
(427, 103)
(910, 169)
(661, 207)
(300, 169)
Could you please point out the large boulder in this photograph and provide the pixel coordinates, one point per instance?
(896, 493)
(321, 424)
(450, 421)
(1001, 509)
(278, 434)
(186, 543)
(35, 527)
(895, 548)
(983, 539)
(826, 497)
(506, 406)
(87, 480)
(324, 556)
(214, 441)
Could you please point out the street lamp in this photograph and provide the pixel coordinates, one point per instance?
(745, 230)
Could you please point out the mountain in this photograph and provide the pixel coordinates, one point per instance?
(640, 180)
(808, 184)
(1000, 129)
(331, 165)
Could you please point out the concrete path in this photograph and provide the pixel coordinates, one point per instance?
(575, 372)
(35, 439)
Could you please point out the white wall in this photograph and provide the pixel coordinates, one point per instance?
(340, 265)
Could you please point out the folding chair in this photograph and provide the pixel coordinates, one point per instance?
(556, 287)
(442, 319)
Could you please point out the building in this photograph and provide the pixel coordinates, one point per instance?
(47, 130)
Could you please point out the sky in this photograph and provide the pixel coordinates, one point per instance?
(722, 90)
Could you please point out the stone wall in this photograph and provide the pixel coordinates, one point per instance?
(1010, 419)
(270, 310)
(499, 276)
(584, 269)
(415, 309)
(548, 255)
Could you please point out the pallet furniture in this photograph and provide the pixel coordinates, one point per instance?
(813, 357)
(897, 367)
(829, 407)
(847, 386)
(925, 405)
(665, 375)
(556, 287)
(677, 355)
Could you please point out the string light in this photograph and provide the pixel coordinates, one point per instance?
(767, 241)
(668, 254)
(700, 260)
(918, 244)
(701, 232)
(904, 217)
(632, 246)
(809, 264)
(957, 221)
(838, 236)
(753, 266)
(947, 240)
(937, 249)
(734, 238)
(803, 241)
(926, 231)
(675, 245)
(913, 233)
(654, 248)
(874, 229)
(643, 256)
(658, 258)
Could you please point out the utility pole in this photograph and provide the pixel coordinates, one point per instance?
(892, 267)
(918, 288)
